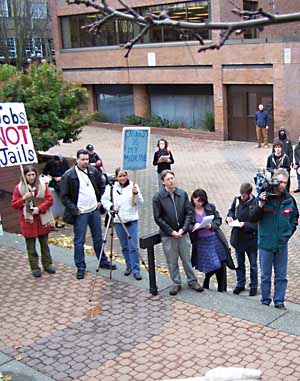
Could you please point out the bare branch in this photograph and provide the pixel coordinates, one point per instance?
(250, 19)
(129, 45)
(96, 26)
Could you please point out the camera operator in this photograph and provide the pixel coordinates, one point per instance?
(122, 197)
(277, 216)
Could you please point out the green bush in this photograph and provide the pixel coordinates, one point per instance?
(209, 121)
(98, 117)
(151, 121)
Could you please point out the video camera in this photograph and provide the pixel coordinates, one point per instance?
(264, 184)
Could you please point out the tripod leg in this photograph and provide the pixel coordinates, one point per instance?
(132, 243)
(111, 246)
(99, 259)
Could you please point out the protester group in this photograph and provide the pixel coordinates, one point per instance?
(190, 228)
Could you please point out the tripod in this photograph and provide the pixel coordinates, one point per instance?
(110, 225)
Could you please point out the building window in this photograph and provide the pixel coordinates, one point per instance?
(11, 46)
(118, 31)
(39, 10)
(251, 6)
(3, 8)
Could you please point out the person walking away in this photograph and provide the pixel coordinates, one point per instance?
(33, 199)
(163, 158)
(243, 238)
(173, 213)
(261, 120)
(277, 216)
(124, 199)
(81, 190)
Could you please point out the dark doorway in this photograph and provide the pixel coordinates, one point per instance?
(243, 101)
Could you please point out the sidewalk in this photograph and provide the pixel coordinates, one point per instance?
(50, 331)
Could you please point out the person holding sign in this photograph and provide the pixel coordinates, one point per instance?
(173, 213)
(163, 158)
(33, 199)
(244, 237)
(122, 199)
(210, 248)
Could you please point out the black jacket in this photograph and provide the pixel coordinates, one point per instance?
(167, 217)
(70, 189)
(275, 162)
(297, 154)
(210, 209)
(245, 238)
(162, 166)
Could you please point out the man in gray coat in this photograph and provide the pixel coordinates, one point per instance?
(173, 213)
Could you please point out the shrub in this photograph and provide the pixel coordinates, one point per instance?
(151, 121)
(209, 121)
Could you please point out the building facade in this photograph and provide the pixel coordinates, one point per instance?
(165, 75)
(25, 31)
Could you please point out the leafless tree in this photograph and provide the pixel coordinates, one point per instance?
(249, 20)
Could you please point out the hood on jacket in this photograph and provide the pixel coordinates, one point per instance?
(282, 136)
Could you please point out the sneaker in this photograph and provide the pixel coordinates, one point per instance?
(238, 290)
(281, 307)
(196, 286)
(106, 265)
(253, 292)
(36, 273)
(50, 270)
(258, 146)
(80, 274)
(175, 289)
(266, 145)
(265, 304)
(137, 276)
(127, 272)
(296, 190)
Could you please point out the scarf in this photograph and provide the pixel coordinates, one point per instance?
(47, 217)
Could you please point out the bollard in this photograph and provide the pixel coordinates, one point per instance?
(148, 242)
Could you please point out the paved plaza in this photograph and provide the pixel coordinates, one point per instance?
(50, 331)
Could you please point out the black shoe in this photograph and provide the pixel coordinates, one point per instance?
(106, 265)
(175, 289)
(296, 190)
(80, 274)
(265, 304)
(50, 270)
(206, 284)
(253, 292)
(196, 286)
(281, 307)
(238, 290)
(36, 273)
(127, 272)
(137, 276)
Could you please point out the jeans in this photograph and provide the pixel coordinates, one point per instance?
(129, 249)
(278, 259)
(241, 269)
(298, 180)
(175, 248)
(93, 220)
(33, 257)
(160, 184)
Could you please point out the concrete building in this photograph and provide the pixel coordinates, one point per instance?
(165, 74)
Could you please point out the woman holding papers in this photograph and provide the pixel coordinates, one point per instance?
(163, 158)
(244, 237)
(210, 248)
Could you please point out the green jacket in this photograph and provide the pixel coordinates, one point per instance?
(277, 221)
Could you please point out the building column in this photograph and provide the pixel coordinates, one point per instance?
(141, 102)
(220, 103)
(91, 98)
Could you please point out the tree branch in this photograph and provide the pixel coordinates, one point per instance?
(256, 19)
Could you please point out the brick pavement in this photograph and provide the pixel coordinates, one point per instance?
(218, 167)
(125, 334)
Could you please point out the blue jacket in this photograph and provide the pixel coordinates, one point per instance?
(261, 118)
(277, 221)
